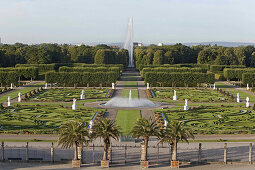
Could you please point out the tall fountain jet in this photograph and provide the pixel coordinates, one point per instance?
(129, 42)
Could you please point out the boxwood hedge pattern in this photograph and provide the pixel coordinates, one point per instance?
(82, 78)
(165, 79)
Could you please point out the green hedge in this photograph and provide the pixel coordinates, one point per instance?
(236, 73)
(172, 69)
(248, 78)
(178, 79)
(215, 68)
(42, 68)
(23, 72)
(203, 66)
(81, 78)
(6, 78)
(89, 69)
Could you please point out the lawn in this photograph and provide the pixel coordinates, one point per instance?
(41, 119)
(192, 94)
(67, 94)
(14, 94)
(134, 93)
(126, 120)
(130, 84)
(221, 85)
(214, 119)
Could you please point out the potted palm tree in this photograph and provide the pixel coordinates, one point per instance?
(145, 128)
(172, 134)
(106, 129)
(74, 133)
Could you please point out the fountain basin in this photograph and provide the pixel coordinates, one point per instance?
(127, 103)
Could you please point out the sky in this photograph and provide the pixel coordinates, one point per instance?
(92, 21)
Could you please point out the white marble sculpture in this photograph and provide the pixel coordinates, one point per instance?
(175, 96)
(237, 98)
(148, 86)
(186, 107)
(247, 102)
(82, 97)
(113, 86)
(248, 87)
(214, 86)
(19, 98)
(9, 101)
(46, 85)
(11, 85)
(90, 126)
(74, 106)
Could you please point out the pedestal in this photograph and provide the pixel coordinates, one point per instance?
(186, 107)
(74, 107)
(82, 97)
(76, 163)
(174, 164)
(174, 97)
(237, 100)
(247, 104)
(104, 164)
(144, 164)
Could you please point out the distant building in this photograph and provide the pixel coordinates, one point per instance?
(138, 44)
(160, 44)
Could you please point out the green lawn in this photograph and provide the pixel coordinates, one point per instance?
(192, 94)
(41, 119)
(130, 84)
(126, 120)
(67, 94)
(221, 85)
(225, 119)
(134, 93)
(22, 91)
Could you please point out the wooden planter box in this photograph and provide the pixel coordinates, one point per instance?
(144, 164)
(104, 164)
(76, 163)
(174, 164)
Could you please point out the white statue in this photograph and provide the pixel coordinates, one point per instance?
(247, 102)
(237, 98)
(82, 97)
(113, 86)
(11, 85)
(186, 107)
(19, 98)
(175, 96)
(74, 107)
(9, 101)
(148, 86)
(90, 126)
(248, 87)
(214, 86)
(46, 85)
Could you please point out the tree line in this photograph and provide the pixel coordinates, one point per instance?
(201, 54)
(18, 53)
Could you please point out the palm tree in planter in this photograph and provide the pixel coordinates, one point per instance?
(172, 134)
(106, 129)
(145, 128)
(74, 133)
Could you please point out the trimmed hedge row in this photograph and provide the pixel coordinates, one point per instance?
(236, 73)
(81, 79)
(22, 72)
(171, 69)
(204, 66)
(178, 79)
(215, 68)
(6, 78)
(43, 68)
(248, 78)
(89, 69)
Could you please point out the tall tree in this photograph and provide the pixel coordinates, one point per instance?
(145, 128)
(158, 57)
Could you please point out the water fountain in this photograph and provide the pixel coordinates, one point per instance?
(128, 45)
(129, 102)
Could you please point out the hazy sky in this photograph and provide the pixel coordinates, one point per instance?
(167, 21)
